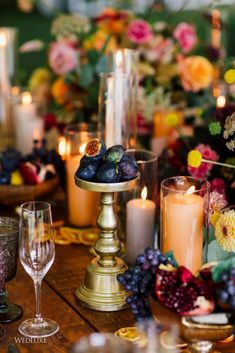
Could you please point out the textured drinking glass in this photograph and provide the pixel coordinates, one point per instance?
(82, 204)
(117, 115)
(37, 253)
(137, 208)
(9, 238)
(184, 219)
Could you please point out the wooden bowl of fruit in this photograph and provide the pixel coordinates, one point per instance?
(16, 195)
(27, 178)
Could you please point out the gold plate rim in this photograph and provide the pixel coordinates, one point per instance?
(189, 324)
(106, 187)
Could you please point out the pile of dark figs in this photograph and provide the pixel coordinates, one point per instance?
(103, 165)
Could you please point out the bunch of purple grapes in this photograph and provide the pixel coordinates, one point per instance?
(226, 290)
(140, 280)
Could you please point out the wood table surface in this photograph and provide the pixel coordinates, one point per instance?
(59, 303)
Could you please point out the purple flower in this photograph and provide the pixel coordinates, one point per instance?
(62, 57)
(186, 36)
(218, 185)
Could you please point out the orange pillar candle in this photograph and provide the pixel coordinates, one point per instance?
(82, 205)
(182, 228)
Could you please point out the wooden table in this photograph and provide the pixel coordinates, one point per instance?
(59, 302)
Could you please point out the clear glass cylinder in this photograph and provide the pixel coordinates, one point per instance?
(137, 207)
(126, 61)
(184, 219)
(117, 109)
(82, 205)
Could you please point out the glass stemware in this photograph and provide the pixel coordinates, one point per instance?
(9, 237)
(37, 253)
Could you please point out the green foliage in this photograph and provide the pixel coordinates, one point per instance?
(222, 267)
(86, 76)
(215, 128)
(170, 256)
(216, 253)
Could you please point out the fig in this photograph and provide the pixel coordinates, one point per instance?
(114, 153)
(95, 149)
(108, 172)
(10, 159)
(87, 170)
(5, 178)
(128, 167)
(179, 290)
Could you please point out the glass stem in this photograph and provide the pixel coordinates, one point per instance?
(37, 287)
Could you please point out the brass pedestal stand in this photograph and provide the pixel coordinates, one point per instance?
(101, 291)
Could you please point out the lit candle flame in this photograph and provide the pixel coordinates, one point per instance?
(36, 134)
(26, 98)
(119, 62)
(82, 148)
(3, 39)
(15, 91)
(62, 146)
(220, 101)
(144, 193)
(190, 190)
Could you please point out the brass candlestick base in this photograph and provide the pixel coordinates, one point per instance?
(101, 291)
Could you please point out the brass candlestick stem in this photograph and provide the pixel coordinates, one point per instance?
(101, 290)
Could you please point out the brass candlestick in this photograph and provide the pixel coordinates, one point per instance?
(101, 291)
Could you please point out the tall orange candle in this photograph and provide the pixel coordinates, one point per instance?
(82, 204)
(182, 228)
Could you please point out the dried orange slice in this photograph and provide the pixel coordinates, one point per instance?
(89, 236)
(71, 234)
(133, 335)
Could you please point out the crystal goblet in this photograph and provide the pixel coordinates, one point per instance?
(37, 253)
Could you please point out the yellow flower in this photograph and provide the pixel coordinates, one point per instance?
(165, 73)
(214, 217)
(16, 178)
(194, 158)
(225, 230)
(145, 69)
(98, 40)
(172, 119)
(229, 76)
(60, 91)
(196, 73)
(38, 77)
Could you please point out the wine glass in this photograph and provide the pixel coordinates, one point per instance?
(37, 253)
(9, 238)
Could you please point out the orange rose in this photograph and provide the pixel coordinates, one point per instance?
(196, 73)
(60, 91)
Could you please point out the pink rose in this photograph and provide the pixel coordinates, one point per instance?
(139, 32)
(161, 50)
(204, 168)
(186, 36)
(62, 57)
